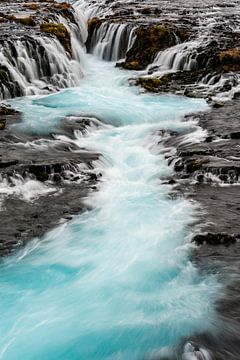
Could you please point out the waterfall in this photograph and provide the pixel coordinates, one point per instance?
(111, 41)
(39, 64)
(179, 57)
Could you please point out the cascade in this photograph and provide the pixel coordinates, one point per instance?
(38, 64)
(179, 57)
(111, 41)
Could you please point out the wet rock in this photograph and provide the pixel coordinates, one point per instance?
(215, 239)
(70, 175)
(193, 165)
(2, 124)
(6, 110)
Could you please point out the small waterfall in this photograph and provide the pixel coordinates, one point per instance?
(111, 41)
(39, 64)
(179, 57)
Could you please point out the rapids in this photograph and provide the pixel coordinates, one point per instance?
(115, 282)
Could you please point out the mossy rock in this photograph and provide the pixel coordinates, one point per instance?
(93, 24)
(6, 110)
(2, 124)
(231, 56)
(154, 84)
(195, 164)
(132, 65)
(27, 21)
(218, 104)
(149, 41)
(61, 32)
(62, 6)
(228, 60)
(32, 6)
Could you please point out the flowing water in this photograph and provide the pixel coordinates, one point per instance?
(115, 282)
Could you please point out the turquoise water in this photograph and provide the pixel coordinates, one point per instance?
(116, 282)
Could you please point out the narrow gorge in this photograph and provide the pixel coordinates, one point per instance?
(119, 180)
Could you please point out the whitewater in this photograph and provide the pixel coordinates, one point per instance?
(116, 282)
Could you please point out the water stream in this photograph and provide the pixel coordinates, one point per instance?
(115, 282)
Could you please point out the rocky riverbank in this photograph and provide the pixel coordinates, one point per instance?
(43, 179)
(207, 172)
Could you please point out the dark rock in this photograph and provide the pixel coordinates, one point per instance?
(215, 239)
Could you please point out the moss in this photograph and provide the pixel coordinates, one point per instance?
(32, 6)
(11, 17)
(154, 84)
(149, 41)
(2, 124)
(27, 21)
(231, 56)
(62, 6)
(133, 65)
(6, 110)
(60, 31)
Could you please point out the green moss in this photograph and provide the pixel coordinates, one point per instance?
(60, 31)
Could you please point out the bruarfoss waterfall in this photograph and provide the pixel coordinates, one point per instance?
(116, 281)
